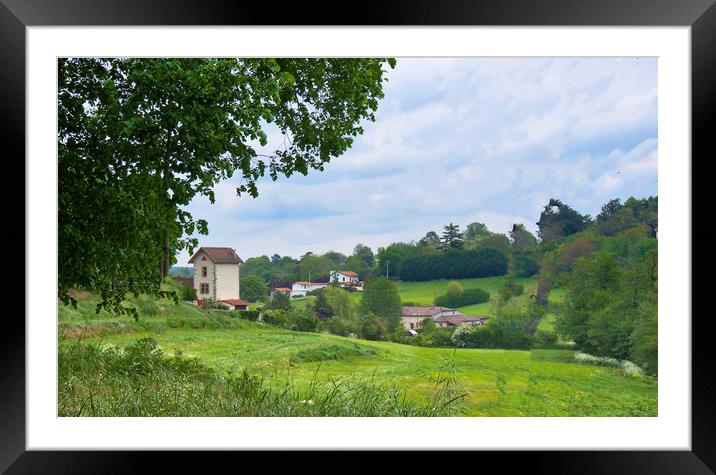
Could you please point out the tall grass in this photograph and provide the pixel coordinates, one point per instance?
(140, 380)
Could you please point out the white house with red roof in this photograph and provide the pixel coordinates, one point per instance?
(344, 277)
(301, 288)
(216, 276)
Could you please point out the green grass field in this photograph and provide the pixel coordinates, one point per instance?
(496, 382)
(424, 293)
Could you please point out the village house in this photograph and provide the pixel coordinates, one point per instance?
(442, 316)
(281, 290)
(346, 279)
(216, 276)
(454, 320)
(301, 288)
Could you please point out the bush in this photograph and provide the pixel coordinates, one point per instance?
(280, 301)
(511, 328)
(372, 328)
(188, 293)
(341, 326)
(214, 305)
(454, 264)
(544, 339)
(302, 320)
(277, 317)
(250, 315)
(468, 297)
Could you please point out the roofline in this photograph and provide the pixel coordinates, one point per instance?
(191, 260)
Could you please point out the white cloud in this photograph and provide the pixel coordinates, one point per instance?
(461, 140)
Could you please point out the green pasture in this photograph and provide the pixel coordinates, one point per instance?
(495, 382)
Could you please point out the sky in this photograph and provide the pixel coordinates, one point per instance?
(459, 140)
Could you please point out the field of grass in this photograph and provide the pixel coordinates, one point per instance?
(495, 382)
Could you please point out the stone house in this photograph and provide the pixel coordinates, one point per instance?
(216, 275)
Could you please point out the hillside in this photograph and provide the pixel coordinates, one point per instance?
(496, 382)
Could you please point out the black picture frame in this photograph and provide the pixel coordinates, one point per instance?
(16, 15)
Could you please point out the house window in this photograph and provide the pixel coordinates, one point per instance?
(204, 288)
(203, 272)
(412, 326)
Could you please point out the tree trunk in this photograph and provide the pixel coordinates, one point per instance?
(165, 255)
(165, 182)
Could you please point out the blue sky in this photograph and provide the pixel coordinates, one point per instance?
(460, 140)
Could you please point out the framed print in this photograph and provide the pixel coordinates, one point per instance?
(416, 229)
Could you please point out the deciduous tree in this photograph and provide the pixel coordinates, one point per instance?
(139, 138)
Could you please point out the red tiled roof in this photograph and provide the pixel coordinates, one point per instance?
(457, 319)
(424, 311)
(311, 283)
(220, 255)
(348, 272)
(236, 302)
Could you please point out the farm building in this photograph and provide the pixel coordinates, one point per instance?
(344, 277)
(454, 320)
(281, 290)
(443, 317)
(236, 304)
(216, 274)
(299, 289)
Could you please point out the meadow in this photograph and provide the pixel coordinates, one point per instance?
(494, 382)
(424, 293)
(491, 382)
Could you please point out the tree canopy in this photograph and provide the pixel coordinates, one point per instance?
(380, 297)
(139, 138)
(559, 220)
(253, 289)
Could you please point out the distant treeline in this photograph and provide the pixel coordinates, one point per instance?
(454, 264)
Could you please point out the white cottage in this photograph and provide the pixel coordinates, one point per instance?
(344, 277)
(216, 275)
(300, 289)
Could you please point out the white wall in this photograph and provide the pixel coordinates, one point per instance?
(209, 279)
(227, 281)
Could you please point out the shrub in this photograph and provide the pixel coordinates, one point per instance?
(250, 315)
(280, 301)
(372, 328)
(628, 367)
(332, 352)
(468, 297)
(212, 304)
(454, 289)
(277, 317)
(462, 335)
(341, 326)
(188, 293)
(302, 320)
(544, 339)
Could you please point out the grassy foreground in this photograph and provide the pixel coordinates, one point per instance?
(293, 366)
